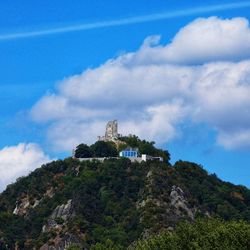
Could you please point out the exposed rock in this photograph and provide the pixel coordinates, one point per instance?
(149, 174)
(50, 192)
(237, 195)
(25, 202)
(179, 203)
(146, 234)
(36, 203)
(22, 206)
(76, 171)
(141, 204)
(208, 214)
(64, 211)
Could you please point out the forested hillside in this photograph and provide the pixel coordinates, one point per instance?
(114, 204)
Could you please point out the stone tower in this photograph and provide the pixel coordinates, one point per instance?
(111, 132)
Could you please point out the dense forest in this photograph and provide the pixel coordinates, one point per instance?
(117, 204)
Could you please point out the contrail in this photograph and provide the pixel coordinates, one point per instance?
(124, 21)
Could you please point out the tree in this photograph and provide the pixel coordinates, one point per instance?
(108, 244)
(203, 234)
(83, 151)
(73, 247)
(104, 149)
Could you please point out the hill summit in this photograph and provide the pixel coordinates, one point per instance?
(113, 203)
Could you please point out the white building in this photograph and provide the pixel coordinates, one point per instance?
(133, 155)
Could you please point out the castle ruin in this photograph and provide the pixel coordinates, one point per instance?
(111, 133)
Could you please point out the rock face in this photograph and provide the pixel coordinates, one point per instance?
(25, 202)
(179, 203)
(22, 206)
(50, 192)
(57, 222)
(64, 212)
(162, 204)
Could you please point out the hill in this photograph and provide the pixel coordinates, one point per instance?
(114, 203)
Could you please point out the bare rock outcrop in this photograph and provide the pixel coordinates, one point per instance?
(63, 212)
(58, 223)
(26, 202)
(50, 192)
(179, 203)
(22, 205)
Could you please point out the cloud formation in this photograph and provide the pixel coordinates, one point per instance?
(199, 78)
(19, 160)
(203, 40)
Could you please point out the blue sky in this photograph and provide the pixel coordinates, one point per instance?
(58, 89)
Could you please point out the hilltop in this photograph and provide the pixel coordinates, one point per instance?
(114, 203)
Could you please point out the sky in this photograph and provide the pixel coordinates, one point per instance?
(173, 72)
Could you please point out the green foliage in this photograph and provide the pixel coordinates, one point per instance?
(209, 234)
(59, 220)
(98, 149)
(73, 247)
(11, 227)
(217, 197)
(117, 201)
(83, 151)
(116, 234)
(104, 149)
(108, 244)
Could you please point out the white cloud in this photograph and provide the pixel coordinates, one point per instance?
(19, 160)
(203, 40)
(65, 134)
(235, 139)
(152, 96)
(150, 123)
